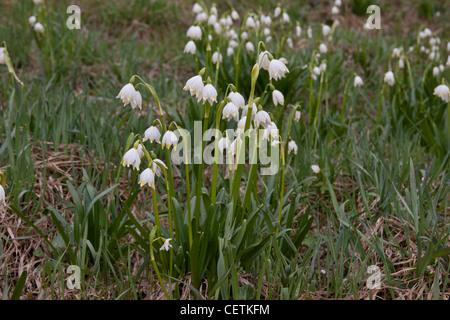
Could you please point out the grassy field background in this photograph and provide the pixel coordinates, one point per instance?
(384, 201)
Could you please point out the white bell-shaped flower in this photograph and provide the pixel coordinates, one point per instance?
(230, 111)
(194, 32)
(389, 78)
(190, 47)
(132, 157)
(277, 98)
(442, 91)
(277, 69)
(292, 147)
(169, 139)
(147, 177)
(152, 134)
(237, 99)
(209, 93)
(262, 118)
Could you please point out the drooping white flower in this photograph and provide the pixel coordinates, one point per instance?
(266, 32)
(268, 21)
(169, 139)
(358, 82)
(272, 129)
(230, 51)
(129, 95)
(335, 10)
(230, 111)
(152, 134)
(212, 20)
(436, 71)
(316, 71)
(389, 78)
(234, 15)
(156, 166)
(244, 35)
(441, 68)
(2, 195)
(297, 115)
(147, 177)
(396, 52)
(140, 151)
(166, 246)
(213, 11)
(223, 144)
(254, 110)
(315, 168)
(283, 60)
(277, 98)
(241, 123)
(277, 12)
(269, 39)
(250, 23)
(292, 146)
(263, 60)
(286, 18)
(309, 32)
(250, 47)
(132, 157)
(262, 118)
(290, 43)
(401, 63)
(216, 57)
(323, 48)
(194, 32)
(277, 69)
(209, 93)
(38, 27)
(338, 3)
(2, 55)
(443, 92)
(195, 86)
(237, 99)
(201, 17)
(197, 8)
(298, 31)
(326, 30)
(32, 20)
(190, 47)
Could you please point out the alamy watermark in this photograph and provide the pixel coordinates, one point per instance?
(74, 21)
(74, 280)
(374, 280)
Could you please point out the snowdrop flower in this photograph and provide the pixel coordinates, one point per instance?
(250, 23)
(169, 139)
(129, 95)
(268, 21)
(230, 111)
(230, 51)
(263, 118)
(197, 8)
(156, 166)
(335, 10)
(323, 48)
(277, 12)
(266, 32)
(190, 47)
(358, 82)
(2, 195)
(2, 55)
(396, 52)
(250, 47)
(212, 20)
(277, 98)
(216, 57)
(194, 32)
(166, 245)
(427, 32)
(292, 146)
(441, 68)
(147, 177)
(201, 17)
(195, 86)
(244, 35)
(152, 134)
(272, 129)
(132, 157)
(436, 71)
(323, 66)
(209, 93)
(263, 60)
(241, 123)
(326, 30)
(213, 11)
(401, 64)
(284, 60)
(298, 31)
(286, 18)
(38, 27)
(443, 92)
(223, 143)
(234, 15)
(389, 78)
(289, 43)
(268, 39)
(297, 116)
(315, 168)
(32, 20)
(237, 99)
(277, 69)
(309, 32)
(254, 110)
(316, 71)
(233, 44)
(338, 3)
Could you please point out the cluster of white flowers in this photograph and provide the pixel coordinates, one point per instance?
(129, 95)
(32, 20)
